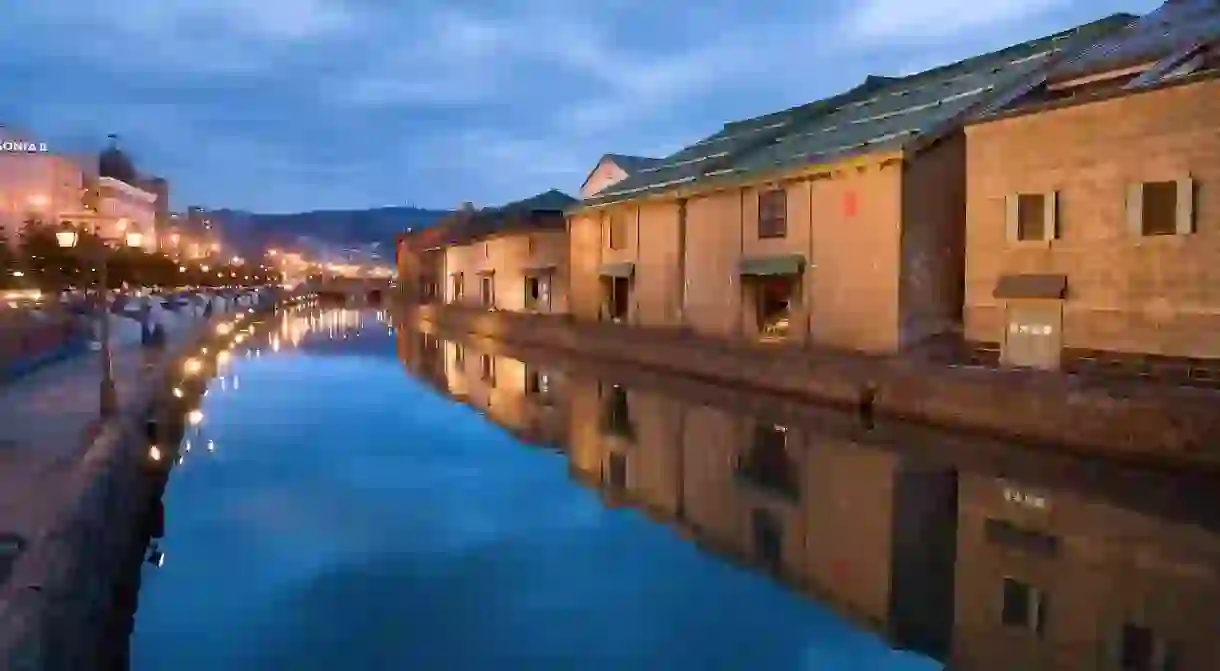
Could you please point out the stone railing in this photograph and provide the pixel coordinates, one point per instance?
(1140, 421)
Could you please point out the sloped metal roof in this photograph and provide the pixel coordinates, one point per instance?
(881, 113)
(1175, 25)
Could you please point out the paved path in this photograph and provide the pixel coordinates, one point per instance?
(45, 418)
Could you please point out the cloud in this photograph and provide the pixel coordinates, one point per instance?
(300, 104)
(874, 21)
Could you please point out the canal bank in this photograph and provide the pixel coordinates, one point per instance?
(82, 523)
(1140, 422)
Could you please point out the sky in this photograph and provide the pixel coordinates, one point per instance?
(295, 105)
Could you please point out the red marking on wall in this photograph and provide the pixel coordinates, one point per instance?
(849, 204)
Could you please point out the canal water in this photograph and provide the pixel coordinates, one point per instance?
(359, 495)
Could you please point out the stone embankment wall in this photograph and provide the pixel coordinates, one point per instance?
(68, 602)
(1138, 421)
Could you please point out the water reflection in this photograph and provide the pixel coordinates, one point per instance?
(981, 554)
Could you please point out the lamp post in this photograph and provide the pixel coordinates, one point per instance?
(68, 237)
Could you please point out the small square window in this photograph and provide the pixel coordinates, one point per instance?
(1031, 216)
(1160, 213)
(773, 214)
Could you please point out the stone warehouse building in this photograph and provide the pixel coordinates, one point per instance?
(839, 222)
(513, 257)
(1094, 210)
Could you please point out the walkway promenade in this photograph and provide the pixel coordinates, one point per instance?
(46, 420)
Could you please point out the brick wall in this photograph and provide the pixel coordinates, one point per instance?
(1126, 293)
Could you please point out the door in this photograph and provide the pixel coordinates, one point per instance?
(1032, 336)
(620, 293)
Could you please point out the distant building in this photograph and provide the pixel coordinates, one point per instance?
(34, 185)
(512, 257)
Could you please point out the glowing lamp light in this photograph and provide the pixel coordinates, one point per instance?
(178, 392)
(154, 453)
(135, 239)
(192, 366)
(66, 236)
(195, 417)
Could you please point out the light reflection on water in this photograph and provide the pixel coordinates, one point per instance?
(350, 516)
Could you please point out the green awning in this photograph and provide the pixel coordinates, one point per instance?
(622, 269)
(539, 271)
(787, 264)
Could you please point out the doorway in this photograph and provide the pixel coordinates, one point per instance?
(618, 298)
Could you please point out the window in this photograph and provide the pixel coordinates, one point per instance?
(618, 230)
(1161, 208)
(1031, 216)
(487, 291)
(487, 369)
(459, 354)
(1024, 606)
(1141, 650)
(537, 383)
(616, 413)
(766, 463)
(773, 214)
(533, 293)
(616, 476)
(768, 538)
(459, 287)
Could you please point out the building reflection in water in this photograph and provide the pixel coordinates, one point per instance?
(980, 569)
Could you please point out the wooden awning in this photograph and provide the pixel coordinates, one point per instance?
(1030, 286)
(783, 264)
(539, 271)
(621, 269)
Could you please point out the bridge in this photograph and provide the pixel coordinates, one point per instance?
(349, 288)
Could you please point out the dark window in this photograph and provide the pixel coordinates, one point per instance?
(1007, 534)
(533, 292)
(1142, 651)
(486, 292)
(616, 413)
(487, 369)
(766, 462)
(618, 230)
(1160, 214)
(458, 286)
(768, 539)
(1024, 606)
(773, 214)
(1031, 216)
(459, 353)
(616, 476)
(537, 383)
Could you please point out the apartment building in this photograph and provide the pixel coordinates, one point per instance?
(1093, 209)
(840, 222)
(512, 257)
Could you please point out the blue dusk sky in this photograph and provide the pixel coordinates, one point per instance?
(291, 105)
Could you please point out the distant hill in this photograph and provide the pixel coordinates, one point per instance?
(320, 231)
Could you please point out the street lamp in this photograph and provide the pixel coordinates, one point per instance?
(68, 237)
